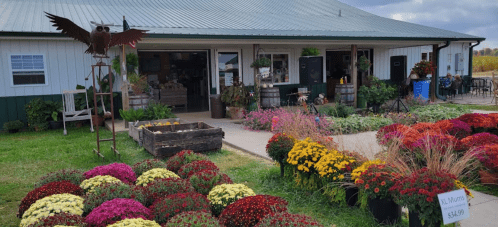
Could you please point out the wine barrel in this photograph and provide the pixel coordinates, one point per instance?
(346, 92)
(270, 97)
(139, 101)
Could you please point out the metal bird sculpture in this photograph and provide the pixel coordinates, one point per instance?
(100, 39)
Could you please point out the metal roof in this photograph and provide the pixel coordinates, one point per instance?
(234, 18)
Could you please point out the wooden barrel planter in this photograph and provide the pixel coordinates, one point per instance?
(139, 101)
(270, 97)
(346, 92)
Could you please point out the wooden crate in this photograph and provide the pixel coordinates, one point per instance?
(173, 94)
(137, 134)
(197, 136)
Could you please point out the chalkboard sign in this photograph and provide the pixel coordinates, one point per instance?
(151, 64)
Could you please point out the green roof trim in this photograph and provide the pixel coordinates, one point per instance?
(187, 36)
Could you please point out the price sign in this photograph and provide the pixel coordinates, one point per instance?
(454, 206)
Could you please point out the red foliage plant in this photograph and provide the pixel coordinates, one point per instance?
(286, 219)
(248, 211)
(204, 180)
(66, 219)
(120, 171)
(58, 187)
(489, 156)
(189, 169)
(161, 188)
(175, 162)
(459, 129)
(165, 208)
(478, 120)
(114, 210)
(390, 128)
(477, 140)
(436, 142)
(423, 126)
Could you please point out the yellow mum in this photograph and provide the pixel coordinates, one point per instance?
(138, 222)
(333, 164)
(360, 169)
(153, 174)
(460, 185)
(225, 194)
(51, 205)
(89, 185)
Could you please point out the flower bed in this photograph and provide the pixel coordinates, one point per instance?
(248, 211)
(52, 205)
(120, 171)
(117, 209)
(165, 208)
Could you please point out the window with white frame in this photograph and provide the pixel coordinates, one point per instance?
(28, 69)
(279, 67)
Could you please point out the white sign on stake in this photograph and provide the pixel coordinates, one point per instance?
(454, 206)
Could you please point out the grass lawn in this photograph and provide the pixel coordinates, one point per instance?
(26, 156)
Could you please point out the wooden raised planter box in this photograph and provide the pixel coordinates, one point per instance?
(137, 134)
(197, 136)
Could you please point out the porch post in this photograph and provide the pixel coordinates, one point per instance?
(255, 48)
(354, 72)
(433, 78)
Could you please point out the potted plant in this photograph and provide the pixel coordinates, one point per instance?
(278, 147)
(377, 93)
(418, 191)
(423, 68)
(13, 126)
(54, 108)
(263, 64)
(374, 184)
(132, 115)
(236, 97)
(310, 51)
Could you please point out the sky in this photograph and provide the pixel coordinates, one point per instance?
(473, 17)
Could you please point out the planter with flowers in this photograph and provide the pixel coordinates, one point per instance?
(374, 184)
(278, 147)
(236, 97)
(418, 191)
(423, 68)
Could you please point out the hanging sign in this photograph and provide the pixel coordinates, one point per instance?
(454, 206)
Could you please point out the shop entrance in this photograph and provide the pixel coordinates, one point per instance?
(179, 78)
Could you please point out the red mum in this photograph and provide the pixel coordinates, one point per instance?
(248, 211)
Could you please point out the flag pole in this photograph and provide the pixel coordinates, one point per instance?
(124, 87)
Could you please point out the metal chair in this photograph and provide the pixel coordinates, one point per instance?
(69, 112)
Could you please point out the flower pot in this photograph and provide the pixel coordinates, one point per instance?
(487, 177)
(55, 124)
(385, 211)
(97, 120)
(236, 112)
(414, 220)
(351, 195)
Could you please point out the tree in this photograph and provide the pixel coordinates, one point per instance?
(476, 53)
(487, 51)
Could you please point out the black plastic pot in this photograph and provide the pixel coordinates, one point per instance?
(385, 211)
(351, 195)
(55, 124)
(414, 220)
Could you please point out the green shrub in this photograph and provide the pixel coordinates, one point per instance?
(356, 123)
(156, 111)
(37, 113)
(132, 114)
(13, 125)
(339, 110)
(433, 113)
(310, 51)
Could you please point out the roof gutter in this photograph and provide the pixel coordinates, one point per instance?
(437, 70)
(471, 55)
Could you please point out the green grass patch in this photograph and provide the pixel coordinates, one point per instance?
(471, 106)
(487, 189)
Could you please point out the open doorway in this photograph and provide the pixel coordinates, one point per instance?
(179, 78)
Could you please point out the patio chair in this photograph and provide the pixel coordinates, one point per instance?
(69, 112)
(454, 87)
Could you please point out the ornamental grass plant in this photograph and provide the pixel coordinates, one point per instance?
(161, 188)
(89, 185)
(61, 219)
(181, 158)
(248, 211)
(115, 210)
(153, 174)
(165, 208)
(204, 180)
(189, 169)
(71, 175)
(110, 191)
(52, 205)
(120, 171)
(287, 219)
(52, 188)
(141, 167)
(225, 194)
(193, 219)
